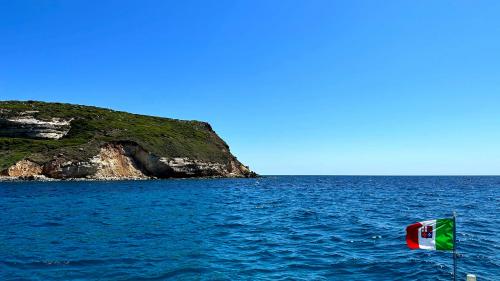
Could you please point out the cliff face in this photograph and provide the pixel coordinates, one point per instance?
(61, 141)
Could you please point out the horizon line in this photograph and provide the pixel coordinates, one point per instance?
(382, 175)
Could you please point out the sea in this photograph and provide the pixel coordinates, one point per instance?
(269, 228)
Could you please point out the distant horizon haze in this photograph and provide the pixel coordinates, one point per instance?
(294, 88)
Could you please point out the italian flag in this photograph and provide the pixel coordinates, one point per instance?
(431, 235)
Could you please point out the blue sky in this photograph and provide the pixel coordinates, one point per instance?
(294, 87)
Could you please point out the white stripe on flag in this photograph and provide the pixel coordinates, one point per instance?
(430, 242)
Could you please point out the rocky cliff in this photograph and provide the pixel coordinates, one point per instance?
(62, 141)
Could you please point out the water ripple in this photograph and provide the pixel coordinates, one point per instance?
(271, 228)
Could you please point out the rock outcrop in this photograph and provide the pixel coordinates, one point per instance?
(23, 169)
(72, 145)
(28, 126)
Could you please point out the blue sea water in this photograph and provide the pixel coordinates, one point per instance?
(270, 228)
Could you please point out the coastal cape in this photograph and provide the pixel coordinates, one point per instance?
(41, 140)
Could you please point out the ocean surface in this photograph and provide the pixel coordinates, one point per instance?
(271, 228)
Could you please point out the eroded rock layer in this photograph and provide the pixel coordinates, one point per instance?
(28, 126)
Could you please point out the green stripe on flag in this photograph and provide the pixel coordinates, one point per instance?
(444, 234)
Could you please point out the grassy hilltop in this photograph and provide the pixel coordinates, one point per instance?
(93, 126)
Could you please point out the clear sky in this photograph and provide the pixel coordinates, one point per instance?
(294, 87)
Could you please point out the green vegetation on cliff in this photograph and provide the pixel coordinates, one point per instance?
(92, 126)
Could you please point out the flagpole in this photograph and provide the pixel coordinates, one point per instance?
(454, 246)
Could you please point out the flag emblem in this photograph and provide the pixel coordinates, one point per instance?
(426, 231)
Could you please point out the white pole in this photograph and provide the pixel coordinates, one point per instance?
(471, 277)
(454, 246)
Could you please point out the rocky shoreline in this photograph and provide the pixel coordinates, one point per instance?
(121, 161)
(47, 179)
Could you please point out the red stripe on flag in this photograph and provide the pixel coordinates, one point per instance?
(412, 235)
